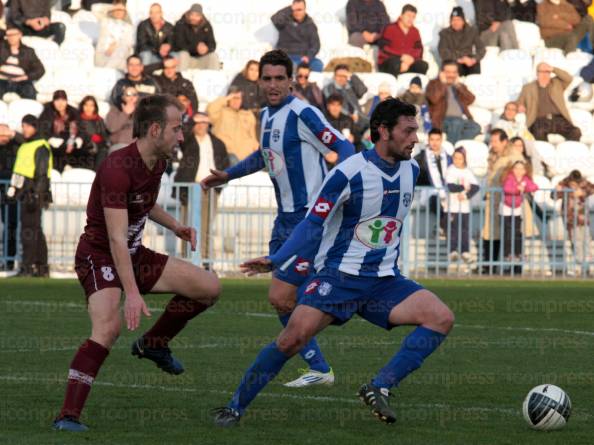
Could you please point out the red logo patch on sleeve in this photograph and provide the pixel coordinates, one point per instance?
(301, 266)
(322, 208)
(327, 136)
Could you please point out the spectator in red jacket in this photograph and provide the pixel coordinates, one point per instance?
(401, 48)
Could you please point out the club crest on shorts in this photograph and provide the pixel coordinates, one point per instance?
(379, 232)
(324, 289)
(407, 199)
(311, 287)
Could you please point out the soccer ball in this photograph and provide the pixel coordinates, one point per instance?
(546, 408)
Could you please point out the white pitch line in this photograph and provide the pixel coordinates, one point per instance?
(353, 400)
(269, 315)
(75, 348)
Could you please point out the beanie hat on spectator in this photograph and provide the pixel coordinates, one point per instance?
(457, 12)
(416, 81)
(60, 94)
(29, 119)
(197, 8)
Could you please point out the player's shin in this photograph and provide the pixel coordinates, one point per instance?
(177, 313)
(267, 365)
(83, 370)
(311, 352)
(416, 347)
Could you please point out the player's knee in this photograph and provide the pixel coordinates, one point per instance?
(443, 317)
(107, 334)
(208, 290)
(282, 302)
(291, 342)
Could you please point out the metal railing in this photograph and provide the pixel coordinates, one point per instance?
(550, 242)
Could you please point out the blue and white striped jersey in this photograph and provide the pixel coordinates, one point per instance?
(362, 205)
(294, 138)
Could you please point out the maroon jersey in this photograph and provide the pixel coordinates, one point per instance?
(123, 181)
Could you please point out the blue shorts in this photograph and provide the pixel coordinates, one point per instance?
(342, 295)
(298, 272)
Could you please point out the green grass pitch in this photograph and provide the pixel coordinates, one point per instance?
(509, 337)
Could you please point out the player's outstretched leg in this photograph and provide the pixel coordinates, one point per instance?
(434, 321)
(104, 312)
(283, 296)
(195, 291)
(304, 324)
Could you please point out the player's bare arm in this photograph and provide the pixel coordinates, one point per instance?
(215, 179)
(116, 221)
(256, 266)
(161, 217)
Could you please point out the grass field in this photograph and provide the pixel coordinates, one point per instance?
(509, 337)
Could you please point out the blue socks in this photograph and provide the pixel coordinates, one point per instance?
(267, 365)
(416, 347)
(311, 352)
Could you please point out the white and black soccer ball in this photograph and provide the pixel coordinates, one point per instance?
(546, 408)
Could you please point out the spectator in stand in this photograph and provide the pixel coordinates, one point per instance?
(116, 39)
(144, 84)
(305, 90)
(494, 22)
(119, 120)
(93, 132)
(461, 42)
(32, 17)
(401, 48)
(154, 37)
(544, 104)
(298, 35)
(365, 21)
(202, 151)
(523, 10)
(575, 215)
(462, 186)
(513, 122)
(561, 26)
(414, 95)
(384, 91)
(9, 145)
(351, 88)
(433, 163)
(234, 126)
(247, 82)
(172, 82)
(19, 66)
(517, 181)
(195, 42)
(448, 101)
(58, 124)
(337, 119)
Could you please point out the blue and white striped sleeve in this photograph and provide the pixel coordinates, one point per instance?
(334, 192)
(315, 129)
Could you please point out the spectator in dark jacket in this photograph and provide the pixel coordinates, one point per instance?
(93, 133)
(306, 90)
(494, 22)
(401, 48)
(172, 82)
(247, 82)
(19, 66)
(365, 21)
(461, 42)
(58, 123)
(144, 84)
(561, 26)
(523, 10)
(154, 37)
(337, 119)
(33, 19)
(298, 35)
(195, 42)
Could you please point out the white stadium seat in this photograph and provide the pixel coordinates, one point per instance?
(529, 36)
(516, 62)
(3, 113)
(485, 89)
(576, 61)
(552, 56)
(103, 81)
(477, 154)
(19, 108)
(570, 155)
(583, 120)
(47, 50)
(543, 196)
(87, 24)
(76, 55)
(210, 84)
(482, 117)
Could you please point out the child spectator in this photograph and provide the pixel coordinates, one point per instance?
(462, 185)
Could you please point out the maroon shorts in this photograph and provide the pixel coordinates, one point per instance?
(97, 270)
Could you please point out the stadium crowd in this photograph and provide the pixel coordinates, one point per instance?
(458, 99)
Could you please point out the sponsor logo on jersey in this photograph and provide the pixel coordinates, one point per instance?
(324, 289)
(379, 232)
(301, 266)
(391, 192)
(327, 136)
(322, 207)
(137, 199)
(311, 287)
(407, 199)
(274, 162)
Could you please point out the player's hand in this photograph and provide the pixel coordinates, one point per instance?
(187, 234)
(256, 266)
(215, 179)
(133, 306)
